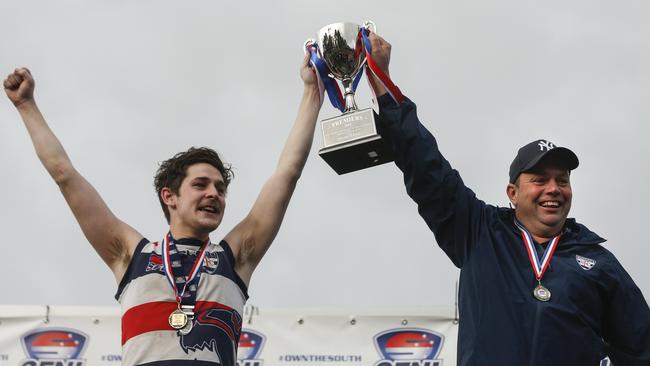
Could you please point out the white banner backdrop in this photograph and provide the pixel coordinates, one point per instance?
(79, 336)
(59, 336)
(394, 337)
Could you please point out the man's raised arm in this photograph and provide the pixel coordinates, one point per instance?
(113, 240)
(251, 238)
(449, 208)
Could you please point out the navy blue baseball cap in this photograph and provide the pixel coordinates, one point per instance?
(533, 153)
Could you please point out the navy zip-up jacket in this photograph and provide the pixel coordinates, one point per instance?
(595, 310)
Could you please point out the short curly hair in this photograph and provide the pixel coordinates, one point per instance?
(171, 172)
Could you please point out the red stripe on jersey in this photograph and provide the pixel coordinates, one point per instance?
(154, 316)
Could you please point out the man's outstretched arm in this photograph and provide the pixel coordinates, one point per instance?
(450, 209)
(251, 238)
(113, 240)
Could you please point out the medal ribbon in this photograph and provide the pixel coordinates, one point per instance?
(539, 267)
(168, 246)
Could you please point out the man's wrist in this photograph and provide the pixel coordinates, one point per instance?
(311, 91)
(377, 86)
(386, 101)
(25, 105)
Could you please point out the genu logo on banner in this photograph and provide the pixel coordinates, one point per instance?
(54, 347)
(250, 348)
(409, 347)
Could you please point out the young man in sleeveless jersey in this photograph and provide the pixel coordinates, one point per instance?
(182, 296)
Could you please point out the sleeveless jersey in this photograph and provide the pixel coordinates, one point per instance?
(147, 300)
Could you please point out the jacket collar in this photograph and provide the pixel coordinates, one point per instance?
(574, 232)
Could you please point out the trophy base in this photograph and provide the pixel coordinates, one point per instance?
(357, 154)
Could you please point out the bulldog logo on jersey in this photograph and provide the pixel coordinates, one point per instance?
(250, 348)
(585, 263)
(54, 346)
(214, 329)
(408, 347)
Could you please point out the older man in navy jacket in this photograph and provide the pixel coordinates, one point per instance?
(536, 288)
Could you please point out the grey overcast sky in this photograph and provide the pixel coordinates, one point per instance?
(126, 84)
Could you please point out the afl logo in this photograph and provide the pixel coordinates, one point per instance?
(250, 348)
(54, 346)
(408, 347)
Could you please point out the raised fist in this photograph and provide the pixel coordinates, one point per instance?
(19, 86)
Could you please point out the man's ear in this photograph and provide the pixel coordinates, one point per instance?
(168, 197)
(512, 191)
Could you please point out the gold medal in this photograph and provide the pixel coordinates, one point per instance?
(541, 293)
(177, 319)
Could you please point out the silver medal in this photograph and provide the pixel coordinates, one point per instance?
(187, 328)
(188, 310)
(541, 293)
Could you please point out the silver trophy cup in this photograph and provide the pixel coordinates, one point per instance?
(350, 141)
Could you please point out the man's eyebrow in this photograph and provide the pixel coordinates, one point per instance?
(207, 180)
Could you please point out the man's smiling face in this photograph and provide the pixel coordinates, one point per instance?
(201, 200)
(542, 199)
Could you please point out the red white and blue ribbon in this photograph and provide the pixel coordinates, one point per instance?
(539, 267)
(328, 84)
(169, 249)
(380, 75)
(325, 82)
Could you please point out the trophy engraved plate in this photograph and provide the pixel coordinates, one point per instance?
(348, 127)
(350, 140)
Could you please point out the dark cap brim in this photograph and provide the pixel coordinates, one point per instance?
(564, 157)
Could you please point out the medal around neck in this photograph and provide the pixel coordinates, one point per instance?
(177, 319)
(541, 293)
(350, 140)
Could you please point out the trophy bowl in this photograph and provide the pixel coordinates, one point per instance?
(342, 49)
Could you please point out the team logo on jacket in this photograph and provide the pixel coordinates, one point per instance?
(408, 347)
(250, 348)
(54, 346)
(585, 263)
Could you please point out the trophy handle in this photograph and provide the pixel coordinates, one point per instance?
(368, 24)
(308, 42)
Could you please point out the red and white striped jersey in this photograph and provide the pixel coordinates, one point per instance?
(147, 300)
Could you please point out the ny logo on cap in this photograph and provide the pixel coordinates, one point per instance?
(543, 144)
